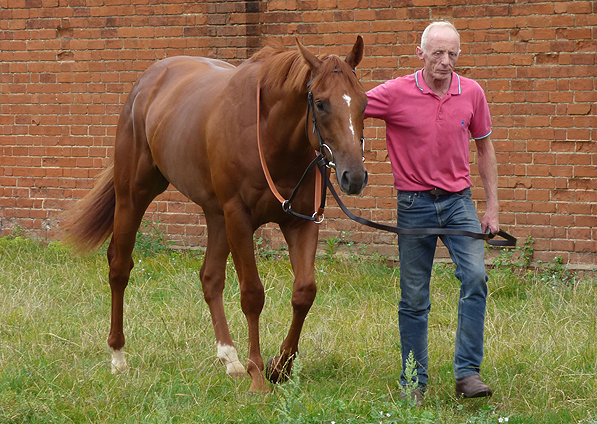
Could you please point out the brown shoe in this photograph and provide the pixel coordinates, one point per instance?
(417, 397)
(472, 387)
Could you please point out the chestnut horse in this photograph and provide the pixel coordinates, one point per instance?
(192, 122)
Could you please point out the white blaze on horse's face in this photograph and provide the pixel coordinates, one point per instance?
(347, 98)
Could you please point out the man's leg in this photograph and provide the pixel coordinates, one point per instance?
(468, 255)
(416, 260)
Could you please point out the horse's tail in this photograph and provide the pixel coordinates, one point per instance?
(91, 221)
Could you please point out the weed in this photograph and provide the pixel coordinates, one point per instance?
(150, 239)
(555, 272)
(412, 381)
(264, 251)
(485, 415)
(516, 259)
(331, 246)
(290, 406)
(17, 231)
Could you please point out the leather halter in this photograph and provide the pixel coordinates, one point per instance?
(320, 160)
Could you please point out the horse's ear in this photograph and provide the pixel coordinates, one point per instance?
(356, 54)
(312, 60)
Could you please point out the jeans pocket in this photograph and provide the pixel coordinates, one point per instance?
(405, 200)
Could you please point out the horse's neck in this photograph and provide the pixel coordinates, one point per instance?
(286, 114)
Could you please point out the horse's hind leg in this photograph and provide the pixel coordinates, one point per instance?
(213, 276)
(127, 219)
(302, 246)
(126, 224)
(137, 181)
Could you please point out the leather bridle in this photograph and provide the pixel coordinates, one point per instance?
(320, 161)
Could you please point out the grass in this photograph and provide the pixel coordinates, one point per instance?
(541, 344)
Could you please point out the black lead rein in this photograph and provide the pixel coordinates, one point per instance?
(508, 239)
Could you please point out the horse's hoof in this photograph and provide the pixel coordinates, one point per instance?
(277, 374)
(235, 369)
(119, 365)
(258, 383)
(229, 357)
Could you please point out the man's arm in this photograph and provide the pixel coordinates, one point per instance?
(487, 165)
(377, 103)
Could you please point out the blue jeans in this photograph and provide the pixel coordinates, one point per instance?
(424, 210)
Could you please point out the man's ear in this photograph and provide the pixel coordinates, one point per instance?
(419, 52)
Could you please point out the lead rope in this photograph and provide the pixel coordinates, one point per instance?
(317, 216)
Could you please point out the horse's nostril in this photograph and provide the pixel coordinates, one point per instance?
(344, 183)
(351, 184)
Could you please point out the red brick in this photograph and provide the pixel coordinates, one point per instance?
(539, 81)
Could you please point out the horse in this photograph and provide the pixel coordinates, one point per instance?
(193, 122)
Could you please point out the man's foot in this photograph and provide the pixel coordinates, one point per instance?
(417, 397)
(472, 387)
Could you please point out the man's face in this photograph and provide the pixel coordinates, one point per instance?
(441, 53)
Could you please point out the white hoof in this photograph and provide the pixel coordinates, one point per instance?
(235, 369)
(229, 357)
(119, 364)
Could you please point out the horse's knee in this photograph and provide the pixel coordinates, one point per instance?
(212, 287)
(304, 295)
(252, 297)
(119, 277)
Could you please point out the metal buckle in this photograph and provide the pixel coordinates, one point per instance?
(318, 219)
(363, 147)
(331, 163)
(286, 206)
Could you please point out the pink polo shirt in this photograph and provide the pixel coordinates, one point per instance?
(428, 137)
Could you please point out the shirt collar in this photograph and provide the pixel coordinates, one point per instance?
(455, 86)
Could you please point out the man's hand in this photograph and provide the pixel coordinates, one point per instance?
(490, 220)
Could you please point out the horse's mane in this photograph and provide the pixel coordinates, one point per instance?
(287, 70)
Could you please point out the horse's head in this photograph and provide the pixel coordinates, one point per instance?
(338, 106)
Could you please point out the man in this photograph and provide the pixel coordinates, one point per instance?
(430, 117)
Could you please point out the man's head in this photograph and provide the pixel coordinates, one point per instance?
(440, 48)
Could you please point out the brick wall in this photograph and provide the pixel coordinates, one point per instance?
(67, 66)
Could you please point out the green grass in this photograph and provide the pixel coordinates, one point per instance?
(541, 344)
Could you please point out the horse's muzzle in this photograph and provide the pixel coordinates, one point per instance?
(352, 182)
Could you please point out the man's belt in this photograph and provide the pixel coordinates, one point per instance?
(441, 192)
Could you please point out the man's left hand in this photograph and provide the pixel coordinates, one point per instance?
(491, 221)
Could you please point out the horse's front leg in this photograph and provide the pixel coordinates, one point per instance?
(252, 294)
(213, 278)
(302, 246)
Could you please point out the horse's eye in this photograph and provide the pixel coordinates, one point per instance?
(319, 105)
